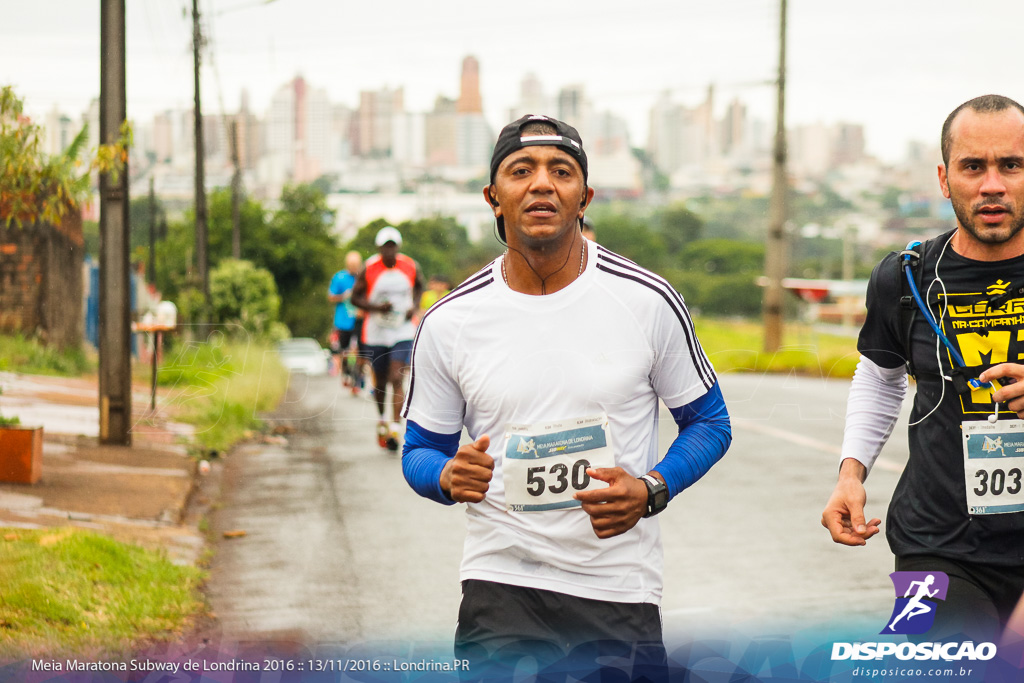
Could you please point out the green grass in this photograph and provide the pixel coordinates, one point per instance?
(28, 356)
(736, 346)
(73, 592)
(220, 387)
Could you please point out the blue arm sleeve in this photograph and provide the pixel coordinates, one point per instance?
(704, 436)
(424, 455)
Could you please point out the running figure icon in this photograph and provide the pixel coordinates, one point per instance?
(915, 606)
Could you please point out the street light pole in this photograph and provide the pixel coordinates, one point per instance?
(202, 240)
(775, 256)
(151, 269)
(236, 194)
(115, 380)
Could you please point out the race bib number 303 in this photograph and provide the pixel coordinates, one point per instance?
(994, 466)
(546, 463)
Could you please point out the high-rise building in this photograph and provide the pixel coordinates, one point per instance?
(532, 99)
(298, 132)
(734, 128)
(473, 137)
(374, 121)
(614, 169)
(849, 144)
(810, 149)
(474, 140)
(163, 136)
(279, 135)
(343, 127)
(91, 118)
(572, 107)
(681, 136)
(59, 132)
(470, 101)
(440, 134)
(318, 154)
(407, 139)
(250, 143)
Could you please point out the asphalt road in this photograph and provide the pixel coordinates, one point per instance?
(338, 549)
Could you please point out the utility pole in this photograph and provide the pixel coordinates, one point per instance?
(849, 258)
(775, 254)
(202, 241)
(115, 380)
(151, 270)
(236, 192)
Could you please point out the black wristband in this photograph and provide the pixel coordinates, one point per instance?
(657, 494)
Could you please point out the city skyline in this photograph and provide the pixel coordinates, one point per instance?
(892, 67)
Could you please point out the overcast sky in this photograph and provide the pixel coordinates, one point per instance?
(897, 66)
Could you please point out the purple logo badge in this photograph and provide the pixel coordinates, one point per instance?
(917, 596)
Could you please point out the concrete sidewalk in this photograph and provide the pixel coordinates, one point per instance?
(148, 493)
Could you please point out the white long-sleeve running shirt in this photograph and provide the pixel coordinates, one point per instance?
(876, 395)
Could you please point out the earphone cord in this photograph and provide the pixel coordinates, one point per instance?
(543, 280)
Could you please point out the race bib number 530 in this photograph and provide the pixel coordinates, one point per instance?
(546, 463)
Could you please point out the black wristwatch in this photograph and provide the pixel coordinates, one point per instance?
(657, 495)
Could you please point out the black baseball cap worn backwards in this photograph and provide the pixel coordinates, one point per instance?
(511, 139)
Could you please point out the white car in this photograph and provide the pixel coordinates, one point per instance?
(305, 355)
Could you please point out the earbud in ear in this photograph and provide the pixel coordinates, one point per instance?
(494, 201)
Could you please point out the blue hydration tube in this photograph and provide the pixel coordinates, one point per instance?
(907, 254)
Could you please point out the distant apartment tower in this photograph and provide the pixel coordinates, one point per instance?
(473, 136)
(681, 136)
(532, 100)
(470, 101)
(608, 134)
(810, 150)
(849, 144)
(573, 108)
(734, 129)
(172, 138)
(374, 121)
(163, 137)
(818, 148)
(250, 143)
(614, 169)
(91, 118)
(408, 132)
(59, 132)
(343, 130)
(298, 131)
(440, 134)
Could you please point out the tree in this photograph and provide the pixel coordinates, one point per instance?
(34, 186)
(678, 226)
(722, 257)
(439, 245)
(297, 247)
(631, 234)
(294, 244)
(718, 277)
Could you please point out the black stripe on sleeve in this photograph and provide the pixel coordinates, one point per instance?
(697, 356)
(680, 306)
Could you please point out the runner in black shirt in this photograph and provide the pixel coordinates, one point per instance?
(959, 505)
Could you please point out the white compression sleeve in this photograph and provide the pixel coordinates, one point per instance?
(876, 395)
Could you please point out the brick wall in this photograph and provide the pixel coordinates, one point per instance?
(41, 281)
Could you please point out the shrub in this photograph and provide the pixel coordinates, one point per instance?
(243, 294)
